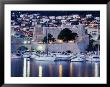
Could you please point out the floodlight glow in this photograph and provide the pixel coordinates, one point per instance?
(41, 47)
(25, 42)
(60, 41)
(71, 41)
(28, 41)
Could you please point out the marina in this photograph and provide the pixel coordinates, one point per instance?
(60, 57)
(55, 46)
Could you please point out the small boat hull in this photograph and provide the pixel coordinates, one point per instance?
(77, 60)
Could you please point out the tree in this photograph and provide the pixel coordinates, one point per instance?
(90, 19)
(67, 35)
(68, 51)
(50, 38)
(91, 46)
(22, 48)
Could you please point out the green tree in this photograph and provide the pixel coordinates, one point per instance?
(67, 35)
(50, 38)
(91, 45)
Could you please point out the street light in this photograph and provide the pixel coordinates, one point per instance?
(25, 42)
(41, 47)
(28, 42)
(50, 42)
(71, 41)
(60, 41)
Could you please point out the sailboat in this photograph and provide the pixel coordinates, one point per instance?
(78, 58)
(63, 57)
(44, 57)
(93, 58)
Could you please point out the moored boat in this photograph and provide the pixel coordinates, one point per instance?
(93, 58)
(14, 56)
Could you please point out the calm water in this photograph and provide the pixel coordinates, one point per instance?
(34, 68)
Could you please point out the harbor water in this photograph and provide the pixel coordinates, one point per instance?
(32, 68)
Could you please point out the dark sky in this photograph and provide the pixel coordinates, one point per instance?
(59, 13)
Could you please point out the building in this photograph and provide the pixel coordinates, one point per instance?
(80, 45)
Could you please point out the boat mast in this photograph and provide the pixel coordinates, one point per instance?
(98, 39)
(46, 39)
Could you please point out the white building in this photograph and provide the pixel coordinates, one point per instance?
(89, 16)
(94, 32)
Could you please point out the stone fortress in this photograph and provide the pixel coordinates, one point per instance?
(34, 26)
(79, 45)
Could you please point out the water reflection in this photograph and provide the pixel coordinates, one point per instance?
(71, 70)
(40, 71)
(96, 70)
(26, 68)
(60, 69)
(35, 68)
(51, 70)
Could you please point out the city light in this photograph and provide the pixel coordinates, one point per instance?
(50, 42)
(40, 36)
(41, 47)
(71, 41)
(25, 42)
(28, 42)
(60, 41)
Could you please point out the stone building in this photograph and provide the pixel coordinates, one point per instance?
(79, 46)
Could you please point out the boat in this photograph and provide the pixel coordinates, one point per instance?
(77, 59)
(93, 58)
(96, 59)
(26, 55)
(63, 57)
(14, 56)
(44, 57)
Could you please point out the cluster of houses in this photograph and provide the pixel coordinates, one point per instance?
(34, 26)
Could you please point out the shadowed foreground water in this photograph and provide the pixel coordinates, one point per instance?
(54, 69)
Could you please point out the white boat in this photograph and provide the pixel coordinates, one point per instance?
(29, 54)
(77, 59)
(63, 57)
(96, 59)
(44, 58)
(25, 55)
(93, 58)
(14, 56)
(33, 56)
(51, 57)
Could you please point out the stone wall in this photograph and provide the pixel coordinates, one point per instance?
(73, 47)
(79, 29)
